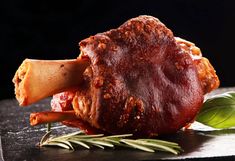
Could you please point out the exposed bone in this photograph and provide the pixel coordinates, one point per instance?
(49, 117)
(38, 79)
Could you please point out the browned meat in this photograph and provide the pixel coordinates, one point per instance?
(206, 73)
(137, 79)
(141, 80)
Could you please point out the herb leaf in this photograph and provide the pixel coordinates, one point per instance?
(218, 111)
(70, 141)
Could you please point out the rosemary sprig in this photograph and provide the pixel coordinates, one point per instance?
(79, 138)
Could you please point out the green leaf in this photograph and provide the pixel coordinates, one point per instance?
(100, 142)
(80, 143)
(88, 136)
(157, 146)
(99, 146)
(62, 145)
(162, 142)
(45, 137)
(68, 143)
(134, 144)
(77, 133)
(118, 136)
(218, 111)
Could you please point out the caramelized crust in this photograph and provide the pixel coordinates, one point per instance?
(140, 80)
(206, 73)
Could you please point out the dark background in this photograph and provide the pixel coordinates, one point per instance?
(52, 30)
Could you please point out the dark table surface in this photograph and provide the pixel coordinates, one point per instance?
(18, 140)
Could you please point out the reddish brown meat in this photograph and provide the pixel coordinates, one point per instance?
(140, 80)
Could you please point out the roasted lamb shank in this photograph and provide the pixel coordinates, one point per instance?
(137, 79)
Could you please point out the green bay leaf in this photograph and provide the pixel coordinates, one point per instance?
(218, 111)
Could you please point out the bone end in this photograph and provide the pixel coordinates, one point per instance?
(19, 82)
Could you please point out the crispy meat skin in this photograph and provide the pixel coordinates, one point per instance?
(140, 80)
(206, 73)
